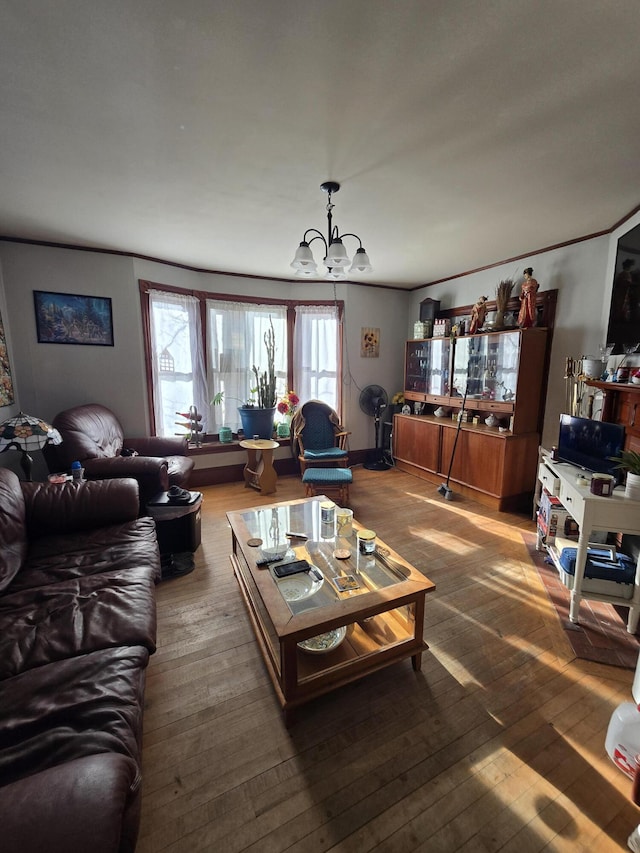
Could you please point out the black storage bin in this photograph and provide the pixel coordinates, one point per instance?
(177, 524)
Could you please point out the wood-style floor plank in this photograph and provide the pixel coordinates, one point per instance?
(496, 745)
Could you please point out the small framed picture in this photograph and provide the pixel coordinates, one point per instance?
(370, 343)
(67, 318)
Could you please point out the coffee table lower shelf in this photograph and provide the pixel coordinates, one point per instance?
(376, 637)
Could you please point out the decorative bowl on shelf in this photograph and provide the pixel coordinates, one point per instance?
(491, 421)
(441, 412)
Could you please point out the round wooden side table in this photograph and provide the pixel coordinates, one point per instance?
(259, 472)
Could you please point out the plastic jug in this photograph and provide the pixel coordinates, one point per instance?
(622, 742)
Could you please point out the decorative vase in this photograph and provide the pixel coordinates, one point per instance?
(283, 429)
(257, 421)
(632, 488)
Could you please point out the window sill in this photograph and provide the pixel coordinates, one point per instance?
(208, 447)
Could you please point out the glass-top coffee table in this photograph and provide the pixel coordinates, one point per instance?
(350, 614)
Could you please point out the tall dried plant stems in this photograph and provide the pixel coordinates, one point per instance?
(266, 381)
(503, 294)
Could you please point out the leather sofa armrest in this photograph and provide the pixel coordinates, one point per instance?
(89, 805)
(156, 445)
(125, 466)
(67, 507)
(151, 472)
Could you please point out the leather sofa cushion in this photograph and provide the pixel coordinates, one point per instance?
(66, 710)
(52, 559)
(74, 617)
(13, 530)
(99, 797)
(70, 507)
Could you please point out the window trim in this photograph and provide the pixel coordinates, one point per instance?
(202, 296)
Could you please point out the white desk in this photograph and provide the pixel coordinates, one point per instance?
(614, 514)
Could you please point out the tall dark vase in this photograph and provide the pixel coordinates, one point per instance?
(257, 421)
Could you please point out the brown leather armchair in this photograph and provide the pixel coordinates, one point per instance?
(92, 435)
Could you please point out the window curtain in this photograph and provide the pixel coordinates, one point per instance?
(235, 342)
(178, 373)
(316, 352)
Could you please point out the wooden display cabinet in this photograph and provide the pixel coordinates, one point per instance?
(504, 375)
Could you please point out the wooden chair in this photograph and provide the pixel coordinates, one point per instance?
(318, 438)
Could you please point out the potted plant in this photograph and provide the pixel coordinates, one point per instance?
(257, 419)
(629, 461)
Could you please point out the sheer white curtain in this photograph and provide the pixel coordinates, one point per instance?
(315, 353)
(177, 365)
(235, 342)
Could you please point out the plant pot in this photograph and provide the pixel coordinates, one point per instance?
(632, 488)
(257, 421)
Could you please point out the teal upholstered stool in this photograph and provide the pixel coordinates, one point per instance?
(322, 480)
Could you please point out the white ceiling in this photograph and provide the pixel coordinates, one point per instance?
(463, 132)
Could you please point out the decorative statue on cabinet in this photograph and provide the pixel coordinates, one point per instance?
(478, 314)
(527, 313)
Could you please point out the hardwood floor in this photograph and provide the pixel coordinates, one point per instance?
(496, 745)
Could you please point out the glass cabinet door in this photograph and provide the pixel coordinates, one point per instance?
(489, 363)
(438, 375)
(416, 363)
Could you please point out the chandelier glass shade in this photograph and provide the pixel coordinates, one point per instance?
(336, 260)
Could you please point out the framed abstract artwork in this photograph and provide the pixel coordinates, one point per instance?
(66, 318)
(6, 382)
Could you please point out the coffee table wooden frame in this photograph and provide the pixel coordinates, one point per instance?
(393, 629)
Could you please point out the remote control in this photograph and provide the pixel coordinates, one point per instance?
(293, 568)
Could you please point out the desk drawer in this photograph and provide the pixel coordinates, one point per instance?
(550, 482)
(572, 500)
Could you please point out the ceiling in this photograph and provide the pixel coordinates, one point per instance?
(462, 132)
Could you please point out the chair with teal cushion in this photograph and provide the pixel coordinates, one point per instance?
(319, 437)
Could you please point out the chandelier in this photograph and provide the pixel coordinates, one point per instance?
(335, 258)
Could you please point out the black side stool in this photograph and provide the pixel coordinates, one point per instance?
(178, 524)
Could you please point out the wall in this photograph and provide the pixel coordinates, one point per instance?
(583, 276)
(53, 377)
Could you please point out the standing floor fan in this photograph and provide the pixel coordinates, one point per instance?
(373, 401)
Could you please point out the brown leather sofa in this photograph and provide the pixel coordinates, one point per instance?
(78, 569)
(92, 435)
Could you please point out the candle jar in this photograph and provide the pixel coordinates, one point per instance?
(366, 541)
(327, 512)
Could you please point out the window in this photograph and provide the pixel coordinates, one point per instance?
(198, 344)
(317, 354)
(235, 337)
(178, 378)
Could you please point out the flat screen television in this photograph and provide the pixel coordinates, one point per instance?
(589, 444)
